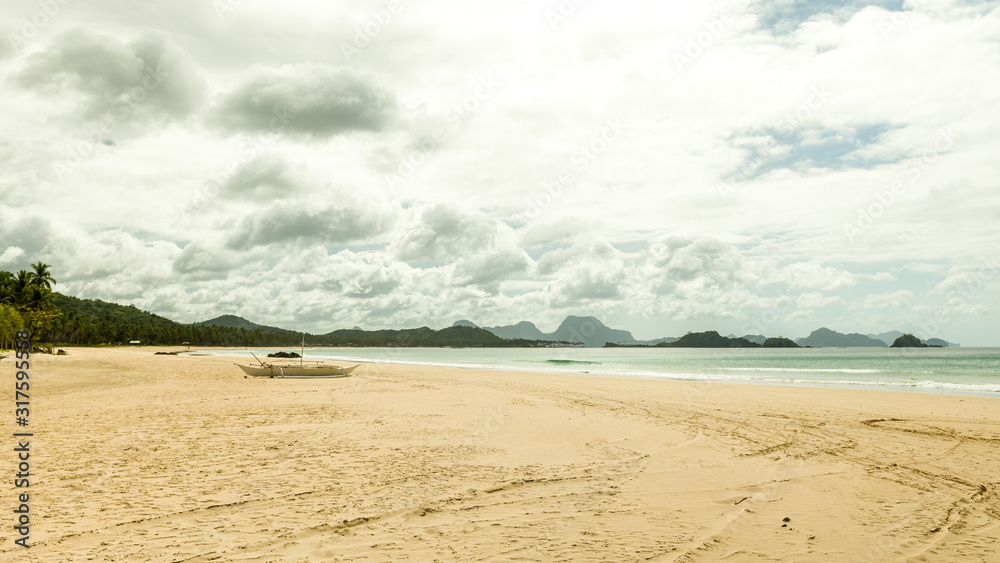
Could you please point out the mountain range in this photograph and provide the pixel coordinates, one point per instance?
(586, 330)
(232, 321)
(92, 321)
(593, 333)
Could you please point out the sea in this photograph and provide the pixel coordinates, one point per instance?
(973, 371)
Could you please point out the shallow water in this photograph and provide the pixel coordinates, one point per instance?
(963, 370)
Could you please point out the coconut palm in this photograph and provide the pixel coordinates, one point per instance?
(7, 296)
(41, 275)
(37, 297)
(21, 284)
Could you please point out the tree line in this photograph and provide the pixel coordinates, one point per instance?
(27, 301)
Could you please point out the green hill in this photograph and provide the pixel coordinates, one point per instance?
(463, 336)
(826, 338)
(908, 341)
(232, 321)
(97, 309)
(709, 339)
(779, 342)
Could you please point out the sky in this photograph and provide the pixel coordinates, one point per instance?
(743, 166)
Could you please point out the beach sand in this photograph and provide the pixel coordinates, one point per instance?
(172, 458)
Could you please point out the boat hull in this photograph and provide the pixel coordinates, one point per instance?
(308, 371)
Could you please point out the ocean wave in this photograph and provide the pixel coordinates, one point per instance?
(817, 377)
(970, 387)
(808, 370)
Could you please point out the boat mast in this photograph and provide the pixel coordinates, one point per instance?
(303, 352)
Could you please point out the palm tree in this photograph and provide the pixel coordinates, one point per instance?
(38, 297)
(7, 296)
(21, 284)
(41, 276)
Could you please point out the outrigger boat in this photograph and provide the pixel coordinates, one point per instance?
(314, 370)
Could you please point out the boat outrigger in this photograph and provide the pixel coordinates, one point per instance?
(314, 370)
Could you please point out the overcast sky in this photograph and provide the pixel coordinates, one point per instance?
(746, 166)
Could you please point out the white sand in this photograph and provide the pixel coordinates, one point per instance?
(169, 458)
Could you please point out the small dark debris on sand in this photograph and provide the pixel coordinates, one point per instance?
(166, 353)
(284, 355)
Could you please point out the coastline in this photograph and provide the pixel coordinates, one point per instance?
(883, 369)
(164, 458)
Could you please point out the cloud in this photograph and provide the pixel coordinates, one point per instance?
(815, 300)
(899, 300)
(441, 233)
(555, 260)
(487, 270)
(808, 149)
(562, 230)
(201, 260)
(267, 175)
(306, 223)
(364, 275)
(264, 231)
(703, 261)
(785, 16)
(148, 77)
(10, 254)
(592, 283)
(584, 271)
(314, 99)
(807, 275)
(31, 234)
(5, 46)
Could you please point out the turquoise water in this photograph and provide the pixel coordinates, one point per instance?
(962, 370)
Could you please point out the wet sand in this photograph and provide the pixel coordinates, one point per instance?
(172, 458)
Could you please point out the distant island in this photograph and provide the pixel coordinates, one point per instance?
(826, 338)
(910, 341)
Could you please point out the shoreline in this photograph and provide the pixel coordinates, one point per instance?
(713, 377)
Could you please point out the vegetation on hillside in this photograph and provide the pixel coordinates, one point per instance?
(709, 339)
(908, 341)
(780, 342)
(27, 300)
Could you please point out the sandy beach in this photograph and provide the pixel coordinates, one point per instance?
(139, 457)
